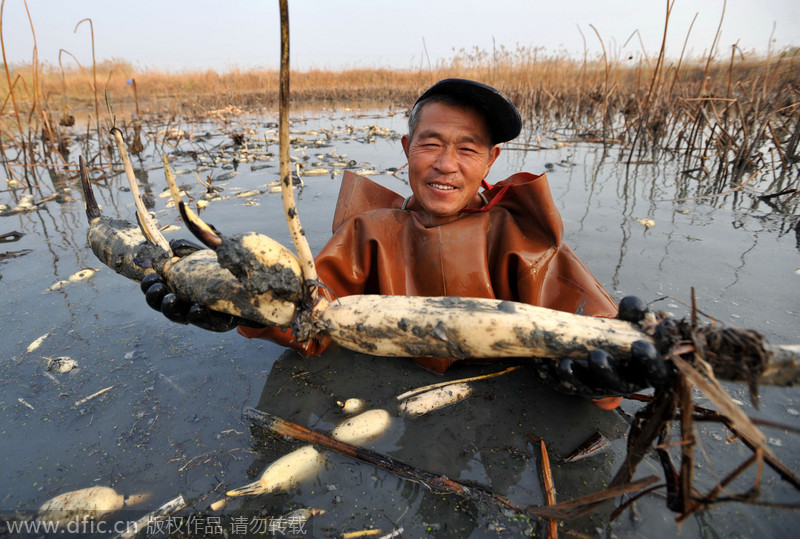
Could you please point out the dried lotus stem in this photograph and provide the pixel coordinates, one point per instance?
(170, 177)
(149, 228)
(550, 490)
(287, 195)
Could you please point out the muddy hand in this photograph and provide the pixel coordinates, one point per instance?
(160, 298)
(163, 300)
(600, 375)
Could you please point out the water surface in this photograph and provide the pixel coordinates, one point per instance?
(170, 424)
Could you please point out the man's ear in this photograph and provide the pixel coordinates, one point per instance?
(405, 141)
(493, 154)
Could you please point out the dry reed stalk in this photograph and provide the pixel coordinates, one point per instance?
(693, 505)
(555, 75)
(587, 504)
(671, 91)
(688, 443)
(34, 67)
(135, 96)
(777, 143)
(791, 146)
(362, 533)
(13, 96)
(94, 81)
(605, 85)
(753, 437)
(734, 48)
(769, 57)
(92, 396)
(172, 115)
(653, 83)
(705, 78)
(678, 115)
(549, 489)
(713, 46)
(36, 84)
(63, 73)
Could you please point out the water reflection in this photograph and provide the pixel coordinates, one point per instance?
(483, 439)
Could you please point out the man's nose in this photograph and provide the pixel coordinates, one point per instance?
(448, 160)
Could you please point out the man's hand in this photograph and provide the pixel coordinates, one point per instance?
(600, 375)
(159, 297)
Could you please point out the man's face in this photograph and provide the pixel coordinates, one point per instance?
(448, 156)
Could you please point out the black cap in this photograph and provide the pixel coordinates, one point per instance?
(500, 113)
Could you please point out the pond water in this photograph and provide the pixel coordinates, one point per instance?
(170, 422)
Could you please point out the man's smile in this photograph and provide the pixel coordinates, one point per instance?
(441, 186)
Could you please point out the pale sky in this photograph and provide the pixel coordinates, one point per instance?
(177, 35)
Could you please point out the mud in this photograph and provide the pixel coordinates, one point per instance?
(246, 263)
(121, 246)
(199, 278)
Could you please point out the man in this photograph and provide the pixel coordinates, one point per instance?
(452, 239)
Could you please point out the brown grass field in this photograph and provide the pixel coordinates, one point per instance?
(556, 86)
(720, 114)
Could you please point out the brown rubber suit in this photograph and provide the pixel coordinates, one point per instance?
(509, 249)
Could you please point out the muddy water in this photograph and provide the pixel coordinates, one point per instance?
(170, 422)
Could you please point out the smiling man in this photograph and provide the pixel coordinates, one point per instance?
(450, 152)
(451, 237)
(458, 236)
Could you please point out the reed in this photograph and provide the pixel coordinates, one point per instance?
(724, 118)
(528, 75)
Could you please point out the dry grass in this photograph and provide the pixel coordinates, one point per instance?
(720, 115)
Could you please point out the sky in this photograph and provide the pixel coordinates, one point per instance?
(224, 35)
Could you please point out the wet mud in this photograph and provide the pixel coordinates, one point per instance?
(246, 260)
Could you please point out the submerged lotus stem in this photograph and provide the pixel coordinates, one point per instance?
(434, 399)
(287, 195)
